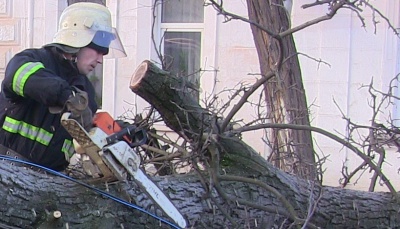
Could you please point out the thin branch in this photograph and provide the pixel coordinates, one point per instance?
(326, 17)
(244, 98)
(331, 136)
(218, 7)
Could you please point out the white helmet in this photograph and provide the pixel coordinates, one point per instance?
(88, 24)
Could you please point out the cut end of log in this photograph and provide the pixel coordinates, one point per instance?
(138, 75)
(57, 214)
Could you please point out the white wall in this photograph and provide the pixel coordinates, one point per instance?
(355, 55)
(27, 24)
(23, 25)
(133, 20)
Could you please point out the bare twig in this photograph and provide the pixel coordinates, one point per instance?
(331, 136)
(244, 98)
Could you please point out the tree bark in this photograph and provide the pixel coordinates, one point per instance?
(292, 150)
(30, 198)
(180, 111)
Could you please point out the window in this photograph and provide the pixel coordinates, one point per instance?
(182, 54)
(181, 29)
(182, 11)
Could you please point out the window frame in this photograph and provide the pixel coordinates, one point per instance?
(175, 27)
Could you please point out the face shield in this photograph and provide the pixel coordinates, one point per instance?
(110, 41)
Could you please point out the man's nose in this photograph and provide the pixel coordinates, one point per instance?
(100, 58)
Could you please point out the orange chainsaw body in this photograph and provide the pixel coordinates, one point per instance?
(106, 123)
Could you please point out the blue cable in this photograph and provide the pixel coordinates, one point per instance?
(116, 199)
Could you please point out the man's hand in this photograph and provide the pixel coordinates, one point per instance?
(77, 104)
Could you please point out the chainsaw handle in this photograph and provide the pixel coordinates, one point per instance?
(141, 141)
(133, 132)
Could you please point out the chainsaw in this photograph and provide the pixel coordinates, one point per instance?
(111, 148)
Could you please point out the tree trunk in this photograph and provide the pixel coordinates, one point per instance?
(29, 200)
(292, 150)
(180, 111)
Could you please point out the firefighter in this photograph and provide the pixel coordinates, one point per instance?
(40, 84)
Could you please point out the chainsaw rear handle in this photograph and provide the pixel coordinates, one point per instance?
(137, 135)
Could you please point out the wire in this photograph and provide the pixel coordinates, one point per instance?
(105, 194)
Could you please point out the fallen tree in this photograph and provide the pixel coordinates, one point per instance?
(236, 187)
(264, 200)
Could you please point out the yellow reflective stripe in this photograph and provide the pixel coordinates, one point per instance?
(68, 149)
(22, 75)
(28, 131)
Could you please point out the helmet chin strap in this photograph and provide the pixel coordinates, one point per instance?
(73, 58)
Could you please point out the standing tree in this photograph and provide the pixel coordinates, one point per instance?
(292, 150)
(286, 99)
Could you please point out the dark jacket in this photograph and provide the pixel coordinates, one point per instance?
(34, 80)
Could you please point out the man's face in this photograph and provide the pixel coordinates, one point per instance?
(87, 60)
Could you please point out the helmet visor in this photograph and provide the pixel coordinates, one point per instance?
(111, 41)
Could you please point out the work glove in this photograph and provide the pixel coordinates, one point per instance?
(78, 105)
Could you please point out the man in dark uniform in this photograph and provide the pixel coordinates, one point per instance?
(41, 84)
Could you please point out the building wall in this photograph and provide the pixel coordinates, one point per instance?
(355, 55)
(23, 24)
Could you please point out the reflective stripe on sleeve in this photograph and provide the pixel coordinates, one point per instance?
(22, 75)
(28, 131)
(68, 149)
